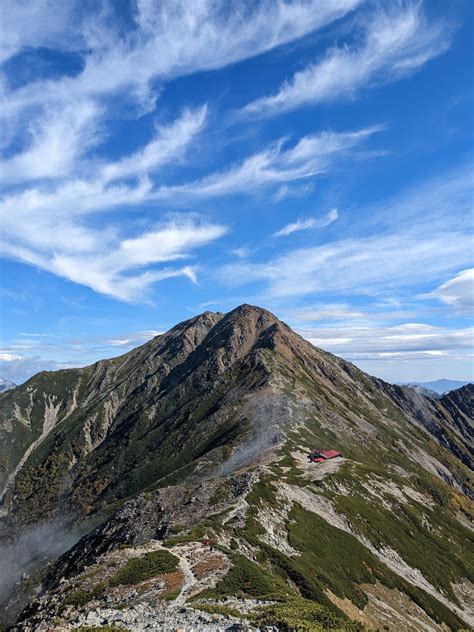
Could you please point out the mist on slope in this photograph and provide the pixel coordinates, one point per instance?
(32, 550)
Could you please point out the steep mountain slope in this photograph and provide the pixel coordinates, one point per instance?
(206, 430)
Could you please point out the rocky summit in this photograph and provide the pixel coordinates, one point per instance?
(228, 475)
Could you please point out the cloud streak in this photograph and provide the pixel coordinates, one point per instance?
(168, 144)
(311, 156)
(110, 264)
(419, 243)
(308, 224)
(397, 41)
(363, 266)
(57, 141)
(47, 226)
(165, 40)
(458, 292)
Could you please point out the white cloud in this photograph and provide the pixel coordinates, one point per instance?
(39, 23)
(399, 352)
(110, 270)
(365, 265)
(57, 183)
(294, 227)
(241, 252)
(61, 137)
(169, 144)
(306, 224)
(46, 227)
(298, 191)
(9, 357)
(330, 311)
(20, 368)
(458, 292)
(398, 41)
(58, 140)
(310, 156)
(103, 260)
(416, 243)
(165, 40)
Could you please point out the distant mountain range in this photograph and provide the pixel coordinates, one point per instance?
(6, 385)
(183, 465)
(437, 386)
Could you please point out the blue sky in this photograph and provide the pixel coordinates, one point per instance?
(314, 157)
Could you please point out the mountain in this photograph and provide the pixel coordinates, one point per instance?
(6, 385)
(422, 390)
(437, 386)
(173, 483)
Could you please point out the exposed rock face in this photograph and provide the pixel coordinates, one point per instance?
(203, 432)
(459, 406)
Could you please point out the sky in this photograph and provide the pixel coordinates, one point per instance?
(313, 157)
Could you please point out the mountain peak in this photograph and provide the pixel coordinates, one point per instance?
(203, 434)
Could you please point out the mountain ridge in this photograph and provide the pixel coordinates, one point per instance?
(221, 409)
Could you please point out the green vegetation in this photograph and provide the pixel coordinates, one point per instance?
(404, 530)
(163, 425)
(306, 616)
(82, 597)
(138, 569)
(221, 493)
(247, 579)
(332, 558)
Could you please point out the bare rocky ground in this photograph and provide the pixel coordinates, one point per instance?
(166, 602)
(162, 603)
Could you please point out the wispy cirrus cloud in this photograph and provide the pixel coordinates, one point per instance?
(418, 243)
(163, 40)
(168, 144)
(330, 311)
(357, 266)
(388, 343)
(308, 224)
(397, 40)
(47, 226)
(56, 187)
(57, 147)
(375, 342)
(42, 23)
(311, 156)
(399, 352)
(111, 264)
(56, 142)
